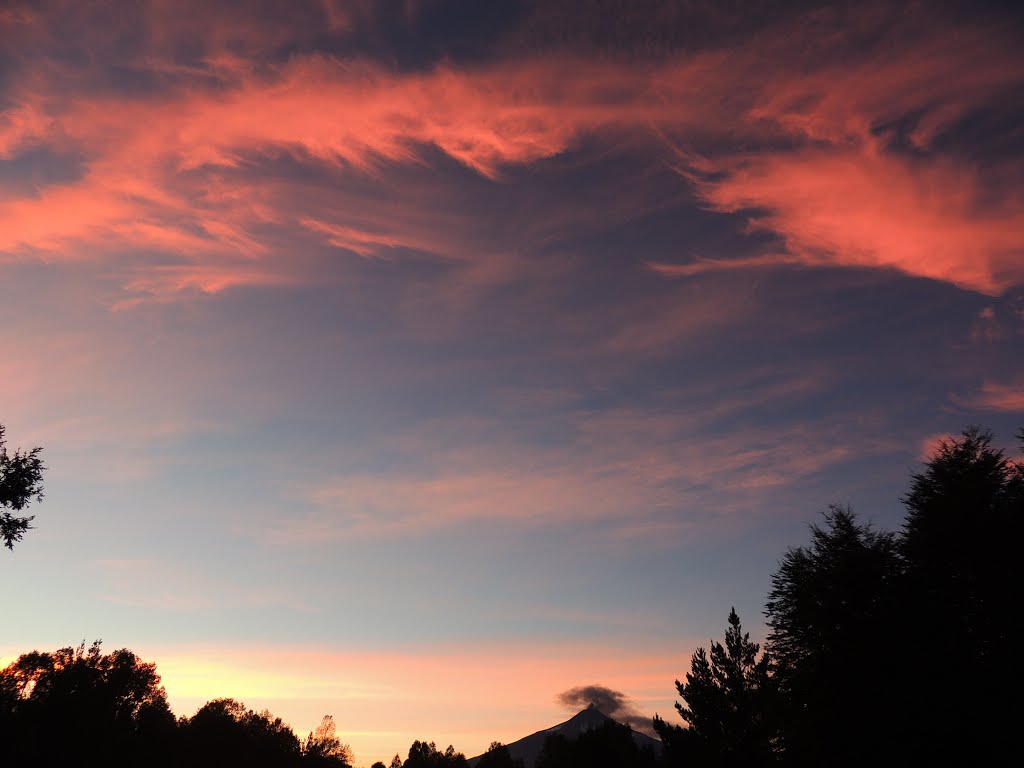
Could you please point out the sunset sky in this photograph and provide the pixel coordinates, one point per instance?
(417, 361)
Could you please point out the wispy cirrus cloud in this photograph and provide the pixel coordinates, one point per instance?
(847, 167)
(626, 473)
(866, 173)
(850, 197)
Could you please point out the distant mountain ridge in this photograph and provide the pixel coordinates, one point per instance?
(528, 748)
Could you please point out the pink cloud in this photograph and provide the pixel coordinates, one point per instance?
(843, 196)
(153, 179)
(872, 209)
(170, 282)
(931, 444)
(995, 396)
(155, 166)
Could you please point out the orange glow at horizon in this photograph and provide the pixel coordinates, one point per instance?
(383, 700)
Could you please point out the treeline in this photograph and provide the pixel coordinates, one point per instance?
(884, 647)
(610, 745)
(80, 706)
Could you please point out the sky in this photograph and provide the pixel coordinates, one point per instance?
(421, 362)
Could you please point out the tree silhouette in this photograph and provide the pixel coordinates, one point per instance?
(729, 698)
(961, 540)
(426, 755)
(961, 544)
(498, 756)
(831, 613)
(109, 709)
(21, 481)
(224, 732)
(323, 748)
(79, 706)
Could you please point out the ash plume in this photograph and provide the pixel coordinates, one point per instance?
(613, 703)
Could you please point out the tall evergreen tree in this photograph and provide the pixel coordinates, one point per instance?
(729, 700)
(831, 611)
(961, 543)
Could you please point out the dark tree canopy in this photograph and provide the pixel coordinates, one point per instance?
(728, 698)
(961, 545)
(109, 709)
(902, 647)
(826, 595)
(225, 732)
(424, 754)
(79, 706)
(961, 540)
(498, 756)
(21, 481)
(831, 613)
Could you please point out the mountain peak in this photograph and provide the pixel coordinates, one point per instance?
(528, 749)
(584, 720)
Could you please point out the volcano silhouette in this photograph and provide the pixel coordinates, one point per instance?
(529, 747)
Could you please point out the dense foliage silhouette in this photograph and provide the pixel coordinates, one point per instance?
(426, 755)
(961, 548)
(831, 613)
(78, 706)
(21, 481)
(224, 732)
(884, 647)
(498, 756)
